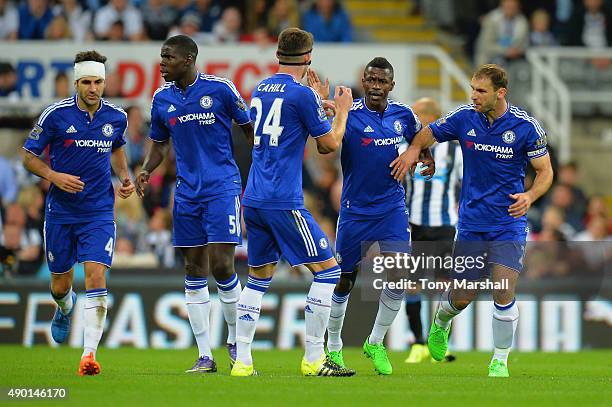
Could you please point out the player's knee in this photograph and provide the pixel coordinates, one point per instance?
(60, 286)
(194, 270)
(503, 296)
(346, 283)
(222, 268)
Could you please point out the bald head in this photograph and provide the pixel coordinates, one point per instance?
(427, 110)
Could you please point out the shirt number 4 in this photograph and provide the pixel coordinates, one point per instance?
(271, 124)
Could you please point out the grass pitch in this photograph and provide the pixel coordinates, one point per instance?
(155, 377)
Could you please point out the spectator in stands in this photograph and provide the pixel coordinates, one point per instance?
(590, 26)
(158, 17)
(260, 37)
(190, 26)
(328, 22)
(159, 237)
(597, 207)
(8, 81)
(541, 35)
(61, 86)
(256, 14)
(554, 219)
(227, 29)
(116, 32)
(563, 197)
(34, 17)
(31, 256)
(9, 21)
(284, 14)
(119, 10)
(58, 29)
(78, 18)
(504, 35)
(209, 12)
(8, 183)
(137, 136)
(597, 230)
(112, 87)
(568, 175)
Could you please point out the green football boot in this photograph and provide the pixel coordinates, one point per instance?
(336, 357)
(437, 341)
(498, 368)
(379, 357)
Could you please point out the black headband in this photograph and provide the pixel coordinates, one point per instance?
(295, 63)
(284, 54)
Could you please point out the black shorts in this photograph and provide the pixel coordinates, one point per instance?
(433, 241)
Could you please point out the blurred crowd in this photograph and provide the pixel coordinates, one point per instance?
(206, 21)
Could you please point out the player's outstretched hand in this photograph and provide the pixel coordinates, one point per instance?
(330, 108)
(126, 188)
(141, 180)
(404, 162)
(521, 206)
(67, 182)
(343, 98)
(428, 161)
(314, 82)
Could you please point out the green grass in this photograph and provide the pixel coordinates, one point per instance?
(133, 377)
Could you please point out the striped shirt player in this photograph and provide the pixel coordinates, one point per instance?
(433, 203)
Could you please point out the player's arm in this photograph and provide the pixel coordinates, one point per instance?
(541, 184)
(331, 141)
(65, 182)
(409, 158)
(154, 157)
(249, 132)
(120, 166)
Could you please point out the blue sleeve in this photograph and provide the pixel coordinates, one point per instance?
(159, 131)
(536, 141)
(42, 134)
(239, 109)
(312, 114)
(413, 126)
(445, 128)
(119, 140)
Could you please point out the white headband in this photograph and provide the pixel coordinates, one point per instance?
(89, 68)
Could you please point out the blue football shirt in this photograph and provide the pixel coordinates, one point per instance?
(285, 113)
(199, 121)
(494, 160)
(81, 146)
(371, 142)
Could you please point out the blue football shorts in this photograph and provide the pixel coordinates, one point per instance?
(66, 244)
(202, 223)
(355, 235)
(294, 234)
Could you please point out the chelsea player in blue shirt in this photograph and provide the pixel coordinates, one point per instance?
(373, 207)
(196, 111)
(85, 134)
(285, 113)
(497, 140)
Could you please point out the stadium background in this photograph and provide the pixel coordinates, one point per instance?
(433, 45)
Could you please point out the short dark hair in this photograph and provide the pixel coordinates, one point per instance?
(184, 45)
(497, 75)
(294, 41)
(89, 56)
(381, 63)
